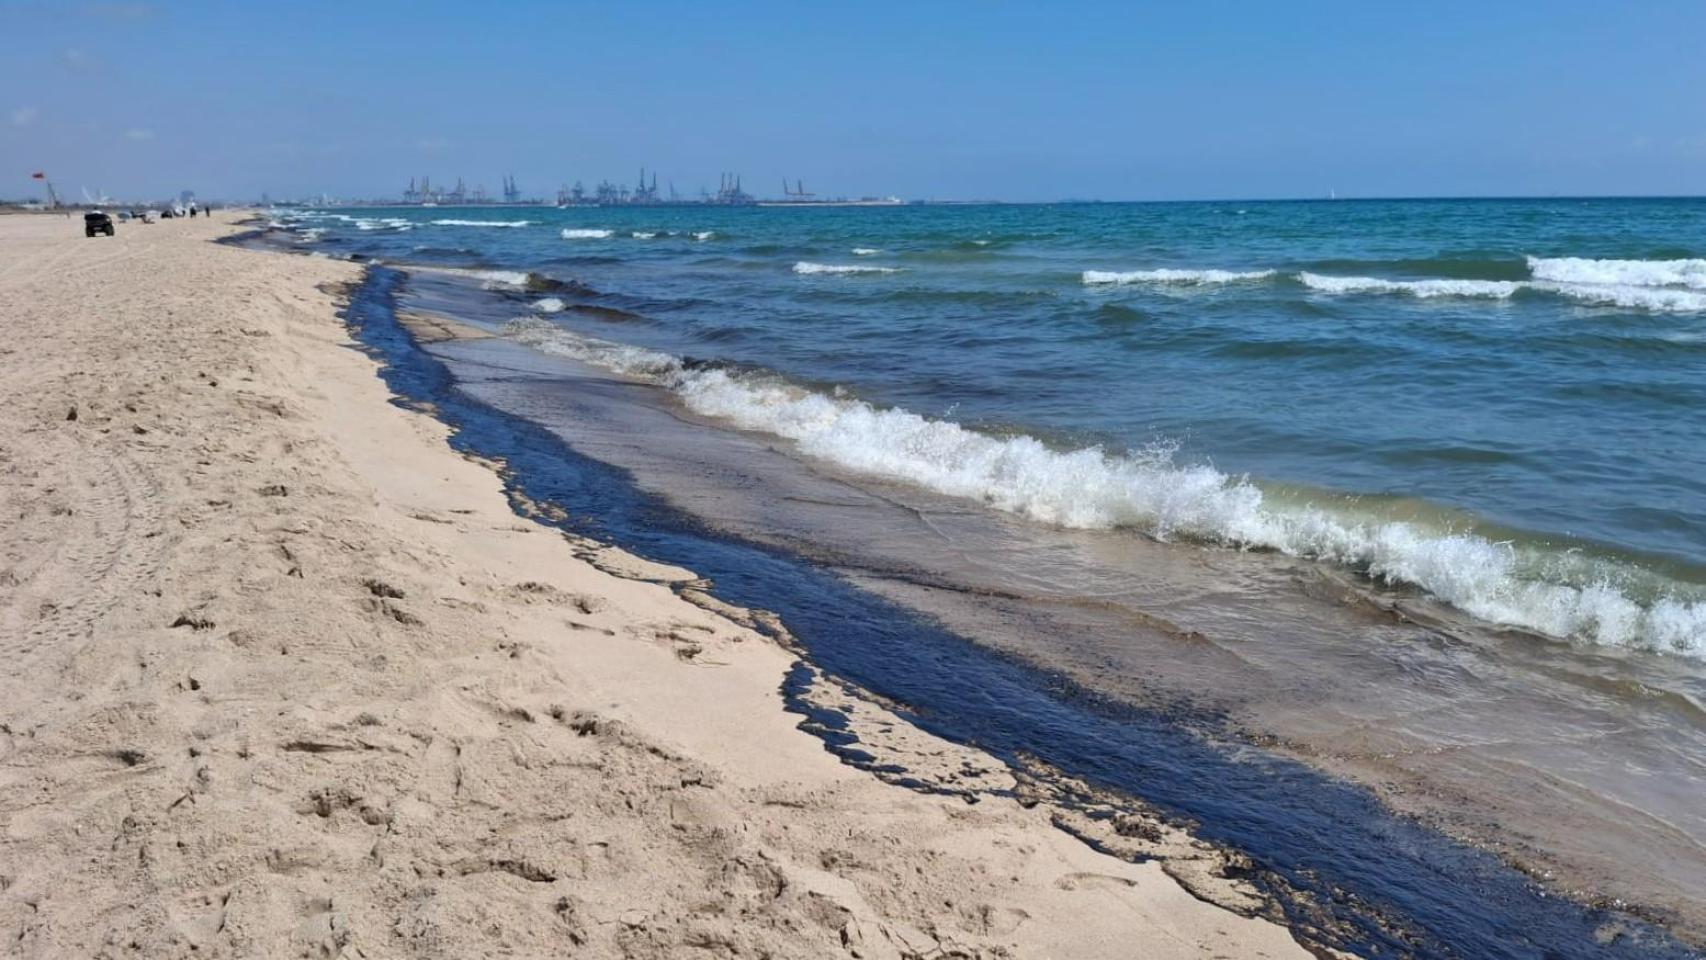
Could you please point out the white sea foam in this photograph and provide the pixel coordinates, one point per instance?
(1666, 299)
(1174, 276)
(704, 234)
(627, 360)
(500, 279)
(865, 251)
(482, 223)
(1633, 296)
(840, 268)
(585, 234)
(644, 234)
(1633, 273)
(1148, 490)
(549, 305)
(1496, 289)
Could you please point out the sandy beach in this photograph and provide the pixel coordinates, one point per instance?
(285, 676)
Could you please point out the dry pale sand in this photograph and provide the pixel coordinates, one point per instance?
(284, 676)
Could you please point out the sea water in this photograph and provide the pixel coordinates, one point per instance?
(1227, 419)
(1494, 401)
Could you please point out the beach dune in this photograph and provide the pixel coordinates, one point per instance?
(286, 676)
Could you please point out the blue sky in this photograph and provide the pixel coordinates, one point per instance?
(946, 100)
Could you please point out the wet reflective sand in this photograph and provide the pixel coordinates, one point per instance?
(1583, 766)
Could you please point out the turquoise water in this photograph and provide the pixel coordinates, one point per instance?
(1497, 402)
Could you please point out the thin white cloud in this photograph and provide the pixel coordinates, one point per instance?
(24, 116)
(137, 133)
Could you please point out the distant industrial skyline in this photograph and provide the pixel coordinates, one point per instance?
(943, 100)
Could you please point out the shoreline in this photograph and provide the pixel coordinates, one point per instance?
(293, 675)
(1282, 801)
(539, 472)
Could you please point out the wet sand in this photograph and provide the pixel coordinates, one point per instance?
(1496, 737)
(286, 676)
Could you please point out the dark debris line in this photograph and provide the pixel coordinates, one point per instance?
(1346, 872)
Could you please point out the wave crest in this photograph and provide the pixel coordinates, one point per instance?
(512, 224)
(805, 267)
(1496, 289)
(571, 233)
(1165, 275)
(1634, 273)
(1667, 299)
(503, 279)
(1632, 296)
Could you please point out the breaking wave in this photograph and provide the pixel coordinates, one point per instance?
(1497, 289)
(1674, 286)
(1638, 297)
(865, 251)
(481, 223)
(503, 279)
(1677, 286)
(1635, 273)
(1561, 593)
(1175, 276)
(806, 267)
(704, 234)
(550, 305)
(585, 234)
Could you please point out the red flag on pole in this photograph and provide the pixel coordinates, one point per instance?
(38, 175)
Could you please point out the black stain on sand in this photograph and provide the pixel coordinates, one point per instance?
(1347, 872)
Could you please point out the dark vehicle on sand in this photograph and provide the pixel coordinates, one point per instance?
(97, 222)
